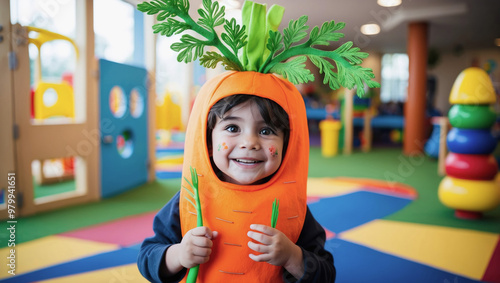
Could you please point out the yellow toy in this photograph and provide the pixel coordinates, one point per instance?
(469, 195)
(472, 86)
(65, 104)
(168, 114)
(44, 36)
(330, 137)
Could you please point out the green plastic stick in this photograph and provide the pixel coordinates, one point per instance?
(275, 212)
(193, 272)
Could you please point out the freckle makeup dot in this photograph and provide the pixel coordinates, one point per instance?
(273, 151)
(222, 146)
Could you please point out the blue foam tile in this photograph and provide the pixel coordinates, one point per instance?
(341, 213)
(355, 263)
(170, 150)
(135, 246)
(92, 263)
(165, 155)
(168, 175)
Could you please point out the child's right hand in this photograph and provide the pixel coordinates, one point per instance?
(196, 246)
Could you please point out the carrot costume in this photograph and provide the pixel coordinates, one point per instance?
(231, 208)
(252, 51)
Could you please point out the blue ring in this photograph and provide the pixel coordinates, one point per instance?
(469, 141)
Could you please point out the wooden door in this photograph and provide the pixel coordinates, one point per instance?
(8, 185)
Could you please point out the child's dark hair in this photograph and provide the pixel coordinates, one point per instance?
(273, 114)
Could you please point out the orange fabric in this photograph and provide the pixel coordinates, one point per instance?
(230, 208)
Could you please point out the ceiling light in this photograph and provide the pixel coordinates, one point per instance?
(370, 29)
(389, 3)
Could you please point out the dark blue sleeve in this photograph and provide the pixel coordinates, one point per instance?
(318, 262)
(167, 229)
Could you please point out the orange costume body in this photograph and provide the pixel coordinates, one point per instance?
(231, 208)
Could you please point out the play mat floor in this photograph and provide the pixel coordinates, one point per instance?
(366, 247)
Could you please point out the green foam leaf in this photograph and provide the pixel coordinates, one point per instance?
(294, 70)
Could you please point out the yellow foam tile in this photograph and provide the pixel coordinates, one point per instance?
(51, 250)
(167, 166)
(329, 187)
(124, 273)
(170, 160)
(460, 251)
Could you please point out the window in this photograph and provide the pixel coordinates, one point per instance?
(394, 86)
(58, 57)
(114, 30)
(171, 76)
(56, 16)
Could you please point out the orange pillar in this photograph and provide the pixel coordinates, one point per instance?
(414, 134)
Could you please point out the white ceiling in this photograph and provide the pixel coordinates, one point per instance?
(453, 24)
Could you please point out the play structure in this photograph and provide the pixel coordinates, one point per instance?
(169, 124)
(354, 112)
(124, 148)
(61, 93)
(169, 137)
(50, 101)
(168, 113)
(353, 107)
(470, 187)
(95, 134)
(435, 146)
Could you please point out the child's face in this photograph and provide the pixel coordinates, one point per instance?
(244, 148)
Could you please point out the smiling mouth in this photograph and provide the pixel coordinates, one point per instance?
(246, 161)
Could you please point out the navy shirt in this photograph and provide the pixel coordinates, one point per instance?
(318, 262)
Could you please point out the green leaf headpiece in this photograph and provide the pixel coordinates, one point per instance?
(258, 46)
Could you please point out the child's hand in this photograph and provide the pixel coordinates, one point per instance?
(196, 246)
(274, 247)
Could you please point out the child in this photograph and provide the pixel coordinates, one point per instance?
(247, 137)
(248, 141)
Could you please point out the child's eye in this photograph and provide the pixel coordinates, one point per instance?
(267, 131)
(231, 128)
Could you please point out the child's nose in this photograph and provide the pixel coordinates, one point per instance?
(250, 141)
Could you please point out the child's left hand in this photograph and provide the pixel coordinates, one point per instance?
(274, 248)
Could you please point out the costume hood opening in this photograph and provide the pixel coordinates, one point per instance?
(295, 161)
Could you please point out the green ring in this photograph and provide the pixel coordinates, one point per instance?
(472, 116)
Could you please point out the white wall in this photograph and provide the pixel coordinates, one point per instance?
(451, 64)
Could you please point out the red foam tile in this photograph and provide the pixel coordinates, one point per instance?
(311, 199)
(124, 232)
(384, 187)
(329, 234)
(492, 273)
